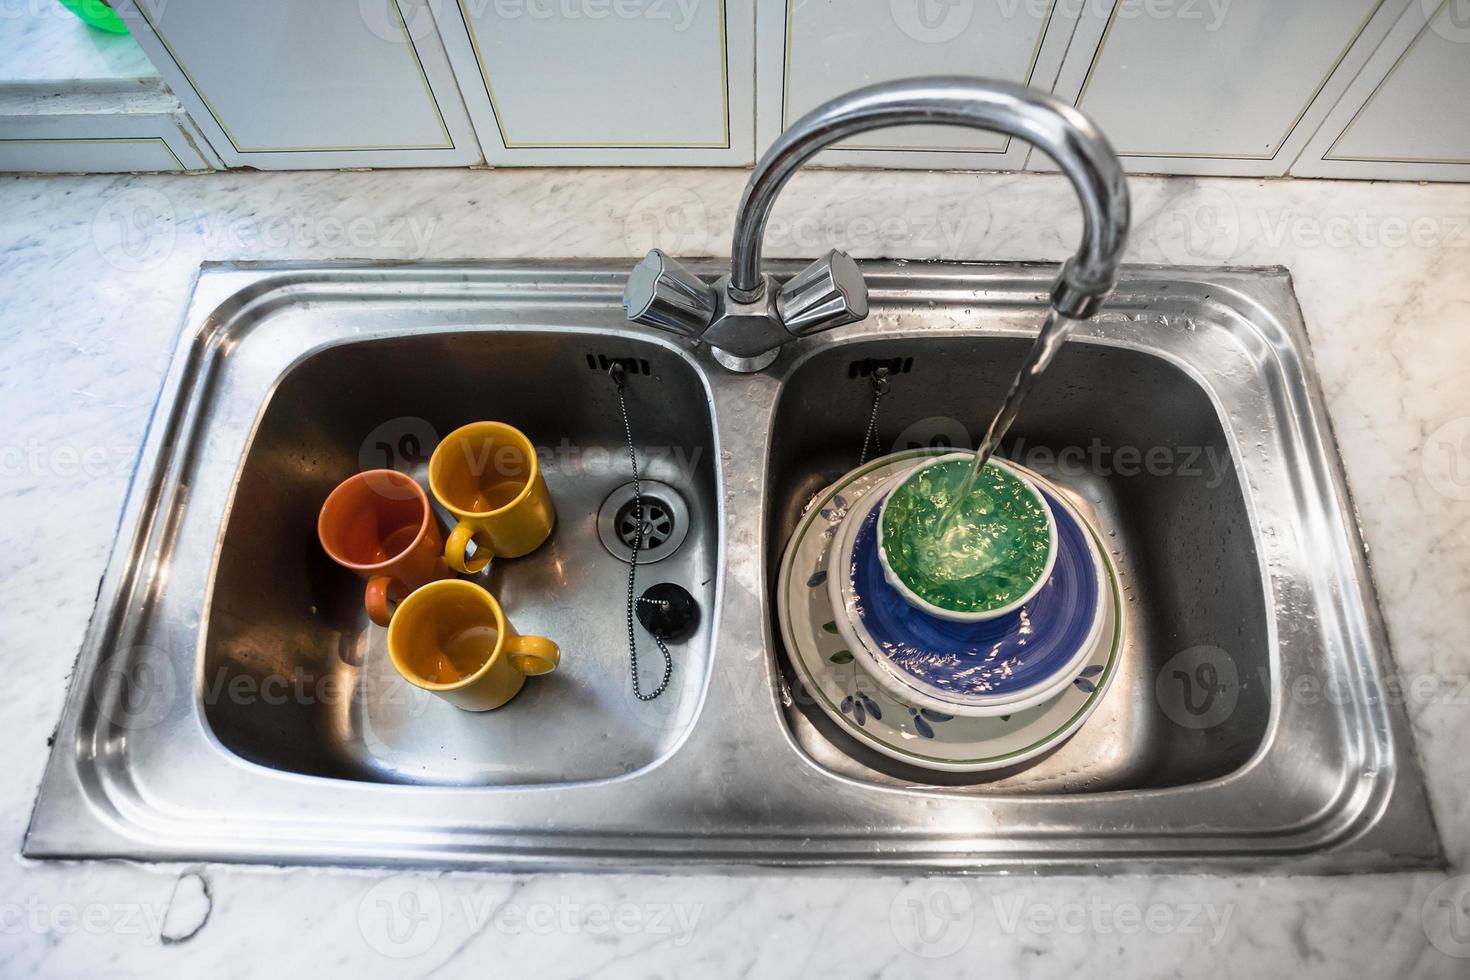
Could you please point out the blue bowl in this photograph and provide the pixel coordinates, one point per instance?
(1006, 660)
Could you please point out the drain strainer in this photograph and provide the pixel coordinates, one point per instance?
(665, 522)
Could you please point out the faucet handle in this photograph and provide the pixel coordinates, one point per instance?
(826, 294)
(662, 293)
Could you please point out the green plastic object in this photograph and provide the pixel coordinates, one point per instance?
(996, 549)
(97, 13)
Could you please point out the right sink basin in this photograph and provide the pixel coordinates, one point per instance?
(1143, 453)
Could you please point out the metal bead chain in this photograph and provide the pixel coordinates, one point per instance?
(618, 377)
(880, 388)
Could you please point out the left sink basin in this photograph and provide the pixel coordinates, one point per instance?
(295, 678)
(236, 700)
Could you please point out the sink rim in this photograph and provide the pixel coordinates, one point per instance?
(92, 803)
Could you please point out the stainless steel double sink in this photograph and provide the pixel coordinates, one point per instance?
(233, 703)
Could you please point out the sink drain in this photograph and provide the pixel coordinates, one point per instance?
(665, 522)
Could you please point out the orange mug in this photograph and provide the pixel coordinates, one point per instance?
(379, 524)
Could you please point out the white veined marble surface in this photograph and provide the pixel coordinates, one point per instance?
(94, 275)
(47, 45)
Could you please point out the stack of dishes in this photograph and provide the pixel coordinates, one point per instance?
(936, 689)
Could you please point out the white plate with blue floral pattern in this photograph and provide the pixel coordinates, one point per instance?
(923, 737)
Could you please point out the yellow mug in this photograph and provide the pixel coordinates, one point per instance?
(487, 475)
(451, 638)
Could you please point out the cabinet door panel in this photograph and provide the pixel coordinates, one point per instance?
(605, 81)
(1403, 117)
(87, 155)
(330, 83)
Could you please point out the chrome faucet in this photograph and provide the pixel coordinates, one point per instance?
(746, 316)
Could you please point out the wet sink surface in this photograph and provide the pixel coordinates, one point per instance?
(232, 703)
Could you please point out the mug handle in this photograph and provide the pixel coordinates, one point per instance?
(532, 655)
(375, 598)
(454, 548)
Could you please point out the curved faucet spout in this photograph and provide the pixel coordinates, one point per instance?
(746, 317)
(1060, 131)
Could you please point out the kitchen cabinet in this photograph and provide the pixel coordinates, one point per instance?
(1337, 88)
(277, 84)
(1403, 116)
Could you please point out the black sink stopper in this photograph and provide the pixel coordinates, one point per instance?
(668, 611)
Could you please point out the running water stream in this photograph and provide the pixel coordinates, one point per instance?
(1054, 333)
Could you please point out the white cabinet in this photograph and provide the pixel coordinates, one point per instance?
(1350, 88)
(1404, 116)
(86, 154)
(813, 50)
(598, 82)
(1215, 86)
(281, 84)
(113, 137)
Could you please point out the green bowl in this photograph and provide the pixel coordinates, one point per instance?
(97, 13)
(1015, 516)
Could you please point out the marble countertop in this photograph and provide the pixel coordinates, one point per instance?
(49, 48)
(96, 272)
